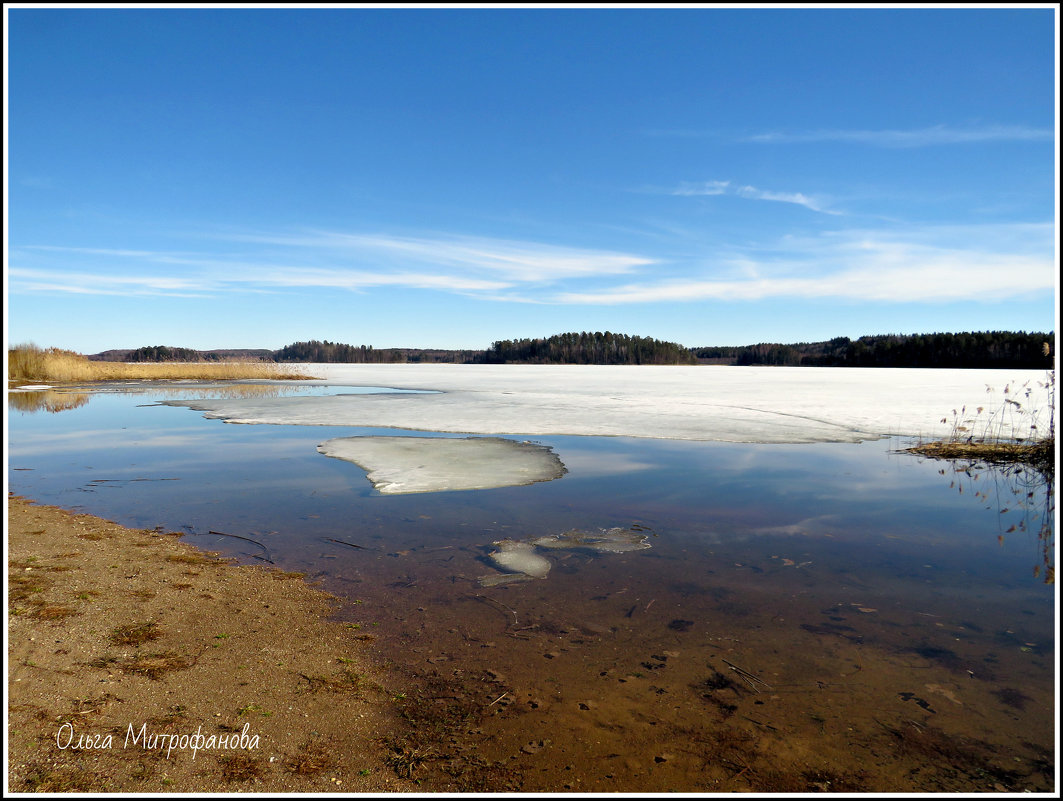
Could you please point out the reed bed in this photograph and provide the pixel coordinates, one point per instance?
(1019, 428)
(1038, 454)
(29, 363)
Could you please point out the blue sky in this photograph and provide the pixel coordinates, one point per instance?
(214, 178)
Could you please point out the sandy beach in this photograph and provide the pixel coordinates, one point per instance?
(138, 663)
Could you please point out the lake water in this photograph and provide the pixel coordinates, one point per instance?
(826, 616)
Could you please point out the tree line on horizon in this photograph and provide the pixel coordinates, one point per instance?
(984, 349)
(338, 352)
(967, 350)
(588, 348)
(162, 353)
(569, 348)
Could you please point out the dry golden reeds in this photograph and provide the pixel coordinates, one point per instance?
(29, 363)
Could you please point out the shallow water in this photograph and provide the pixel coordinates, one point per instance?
(808, 617)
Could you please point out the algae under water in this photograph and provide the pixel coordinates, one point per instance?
(808, 617)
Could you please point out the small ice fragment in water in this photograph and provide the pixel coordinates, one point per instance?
(520, 557)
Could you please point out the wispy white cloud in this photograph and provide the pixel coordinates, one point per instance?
(916, 265)
(797, 198)
(715, 188)
(516, 260)
(321, 259)
(884, 137)
(357, 280)
(237, 278)
(917, 137)
(691, 189)
(928, 266)
(97, 283)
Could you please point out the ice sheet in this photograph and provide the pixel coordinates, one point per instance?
(731, 404)
(399, 465)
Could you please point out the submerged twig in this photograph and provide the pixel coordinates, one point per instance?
(344, 542)
(760, 723)
(750, 678)
(268, 557)
(501, 607)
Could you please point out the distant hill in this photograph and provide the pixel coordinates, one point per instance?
(982, 349)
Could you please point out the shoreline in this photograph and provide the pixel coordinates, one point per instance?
(139, 663)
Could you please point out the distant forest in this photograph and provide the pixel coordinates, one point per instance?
(165, 353)
(585, 348)
(982, 349)
(985, 349)
(162, 353)
(315, 351)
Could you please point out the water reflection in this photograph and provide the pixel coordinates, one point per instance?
(1022, 499)
(62, 399)
(59, 399)
(46, 400)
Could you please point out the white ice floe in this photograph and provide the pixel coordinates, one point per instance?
(731, 404)
(397, 465)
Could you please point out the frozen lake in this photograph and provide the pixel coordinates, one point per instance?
(728, 404)
(765, 521)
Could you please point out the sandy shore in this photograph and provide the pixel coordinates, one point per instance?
(177, 671)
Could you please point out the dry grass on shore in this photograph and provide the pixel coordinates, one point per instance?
(29, 363)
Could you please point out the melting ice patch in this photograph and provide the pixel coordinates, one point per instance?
(520, 561)
(397, 465)
(515, 556)
(613, 540)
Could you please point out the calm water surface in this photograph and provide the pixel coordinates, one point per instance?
(809, 617)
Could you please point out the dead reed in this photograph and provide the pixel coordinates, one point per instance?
(29, 363)
(1020, 428)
